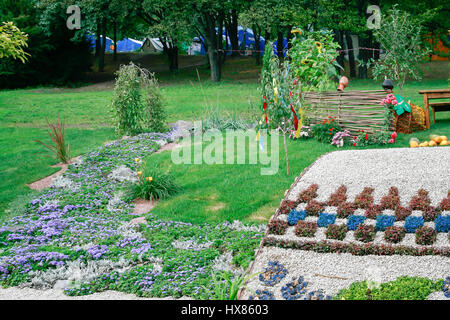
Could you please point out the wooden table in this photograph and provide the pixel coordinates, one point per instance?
(434, 94)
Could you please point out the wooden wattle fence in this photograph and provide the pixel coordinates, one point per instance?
(354, 110)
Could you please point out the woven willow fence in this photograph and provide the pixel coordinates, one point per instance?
(353, 110)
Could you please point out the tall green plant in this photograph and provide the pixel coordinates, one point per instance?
(400, 37)
(137, 104)
(313, 57)
(57, 134)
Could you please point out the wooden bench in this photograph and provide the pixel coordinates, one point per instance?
(435, 106)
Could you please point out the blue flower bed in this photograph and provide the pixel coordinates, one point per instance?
(442, 223)
(295, 216)
(262, 295)
(446, 287)
(354, 221)
(295, 289)
(84, 224)
(412, 223)
(384, 221)
(326, 219)
(273, 274)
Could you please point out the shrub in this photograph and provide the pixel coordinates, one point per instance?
(425, 235)
(154, 184)
(132, 113)
(445, 204)
(384, 221)
(412, 223)
(391, 200)
(57, 135)
(286, 206)
(308, 194)
(314, 207)
(337, 232)
(353, 222)
(338, 197)
(442, 223)
(365, 199)
(430, 214)
(345, 209)
(305, 229)
(401, 213)
(294, 216)
(277, 227)
(326, 219)
(421, 201)
(394, 234)
(373, 211)
(365, 233)
(325, 130)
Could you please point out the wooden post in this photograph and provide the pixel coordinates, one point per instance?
(427, 110)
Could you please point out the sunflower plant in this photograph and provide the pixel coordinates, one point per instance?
(313, 59)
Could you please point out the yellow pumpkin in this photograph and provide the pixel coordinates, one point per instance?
(444, 138)
(436, 138)
(432, 143)
(444, 143)
(413, 143)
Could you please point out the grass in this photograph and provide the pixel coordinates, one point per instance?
(209, 192)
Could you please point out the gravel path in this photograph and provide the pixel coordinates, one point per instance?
(33, 294)
(331, 272)
(409, 169)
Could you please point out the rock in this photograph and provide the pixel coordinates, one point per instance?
(439, 295)
(182, 129)
(61, 284)
(123, 173)
(140, 220)
(161, 142)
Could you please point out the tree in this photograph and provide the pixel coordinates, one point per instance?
(400, 36)
(12, 42)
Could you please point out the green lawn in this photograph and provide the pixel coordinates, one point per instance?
(210, 192)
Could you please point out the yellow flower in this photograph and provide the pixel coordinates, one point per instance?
(149, 179)
(137, 160)
(139, 173)
(296, 31)
(319, 46)
(275, 91)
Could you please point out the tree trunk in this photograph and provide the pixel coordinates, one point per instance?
(351, 54)
(115, 41)
(220, 51)
(363, 57)
(173, 58)
(256, 34)
(211, 40)
(101, 64)
(341, 57)
(280, 44)
(233, 33)
(98, 46)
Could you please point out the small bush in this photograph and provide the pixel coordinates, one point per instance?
(442, 223)
(308, 194)
(337, 232)
(390, 201)
(338, 197)
(430, 214)
(294, 216)
(313, 208)
(354, 221)
(345, 209)
(326, 219)
(154, 184)
(365, 199)
(412, 223)
(286, 206)
(305, 229)
(421, 201)
(325, 130)
(384, 221)
(401, 213)
(425, 236)
(373, 211)
(394, 234)
(445, 204)
(277, 227)
(365, 233)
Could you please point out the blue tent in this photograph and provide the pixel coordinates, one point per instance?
(124, 45)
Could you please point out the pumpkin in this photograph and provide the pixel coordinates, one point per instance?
(413, 142)
(424, 144)
(435, 138)
(432, 143)
(444, 143)
(444, 138)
